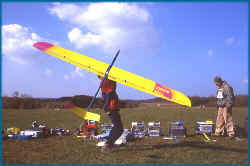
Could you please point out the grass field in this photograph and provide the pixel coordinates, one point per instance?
(70, 150)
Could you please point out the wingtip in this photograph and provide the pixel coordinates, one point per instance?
(42, 45)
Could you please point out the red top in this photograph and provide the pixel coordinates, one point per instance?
(108, 85)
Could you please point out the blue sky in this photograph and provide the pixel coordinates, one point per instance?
(180, 45)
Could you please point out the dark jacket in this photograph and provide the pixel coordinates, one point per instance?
(110, 97)
(225, 95)
(111, 101)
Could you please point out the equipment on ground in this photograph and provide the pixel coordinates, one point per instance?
(138, 129)
(154, 129)
(19, 136)
(115, 74)
(206, 127)
(32, 133)
(177, 129)
(105, 131)
(44, 131)
(88, 128)
(12, 130)
(207, 138)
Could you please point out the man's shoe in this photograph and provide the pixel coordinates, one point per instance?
(236, 139)
(106, 148)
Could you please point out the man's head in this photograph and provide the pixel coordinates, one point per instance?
(218, 81)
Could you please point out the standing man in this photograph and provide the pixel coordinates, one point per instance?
(224, 101)
(111, 107)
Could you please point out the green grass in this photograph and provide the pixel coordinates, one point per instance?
(70, 150)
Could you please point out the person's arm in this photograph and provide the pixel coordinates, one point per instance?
(229, 96)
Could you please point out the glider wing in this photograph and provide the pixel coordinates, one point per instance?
(115, 74)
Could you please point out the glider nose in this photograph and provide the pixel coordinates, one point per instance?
(42, 45)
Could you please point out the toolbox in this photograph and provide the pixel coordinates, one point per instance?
(177, 129)
(204, 127)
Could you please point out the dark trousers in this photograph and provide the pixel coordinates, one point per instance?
(117, 128)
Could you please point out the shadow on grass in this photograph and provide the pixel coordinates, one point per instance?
(191, 144)
(200, 145)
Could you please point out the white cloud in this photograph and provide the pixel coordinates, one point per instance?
(64, 11)
(82, 41)
(48, 72)
(78, 72)
(210, 52)
(108, 25)
(230, 40)
(17, 43)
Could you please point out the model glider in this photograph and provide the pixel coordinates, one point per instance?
(82, 113)
(115, 74)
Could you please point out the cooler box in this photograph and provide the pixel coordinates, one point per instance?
(138, 129)
(31, 133)
(177, 129)
(12, 130)
(19, 136)
(154, 129)
(204, 127)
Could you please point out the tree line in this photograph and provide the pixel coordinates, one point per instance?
(26, 101)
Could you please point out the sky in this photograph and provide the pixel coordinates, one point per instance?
(180, 45)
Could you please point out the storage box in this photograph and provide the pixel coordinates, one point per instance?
(177, 129)
(138, 129)
(106, 129)
(31, 133)
(154, 129)
(204, 127)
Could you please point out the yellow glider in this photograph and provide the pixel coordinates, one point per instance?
(81, 112)
(115, 74)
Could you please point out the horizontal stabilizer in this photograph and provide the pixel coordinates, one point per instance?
(82, 113)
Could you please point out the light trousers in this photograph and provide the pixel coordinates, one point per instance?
(224, 120)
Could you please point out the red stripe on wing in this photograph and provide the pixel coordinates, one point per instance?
(42, 45)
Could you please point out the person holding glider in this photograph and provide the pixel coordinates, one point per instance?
(224, 101)
(111, 107)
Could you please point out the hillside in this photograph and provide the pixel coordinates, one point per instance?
(84, 100)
